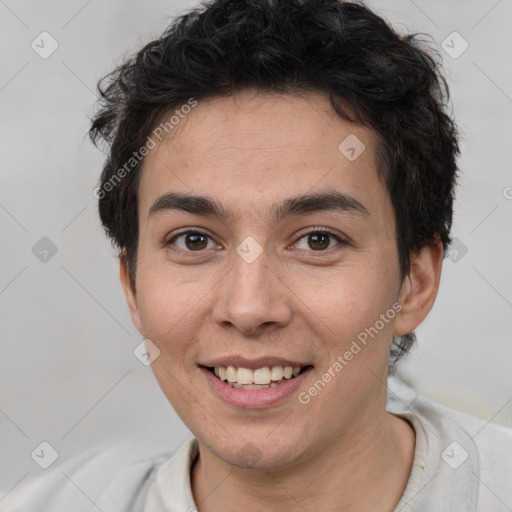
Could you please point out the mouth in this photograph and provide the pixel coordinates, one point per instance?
(254, 383)
(257, 378)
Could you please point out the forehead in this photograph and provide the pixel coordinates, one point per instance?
(257, 149)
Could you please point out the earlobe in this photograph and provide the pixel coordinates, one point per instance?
(129, 292)
(419, 288)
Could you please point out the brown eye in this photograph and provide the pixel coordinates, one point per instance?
(319, 241)
(190, 241)
(195, 241)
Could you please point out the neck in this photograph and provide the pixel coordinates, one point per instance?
(366, 469)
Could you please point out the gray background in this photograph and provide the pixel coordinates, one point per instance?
(67, 372)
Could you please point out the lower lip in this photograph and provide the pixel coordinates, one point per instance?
(254, 398)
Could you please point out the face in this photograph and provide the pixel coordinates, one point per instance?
(275, 280)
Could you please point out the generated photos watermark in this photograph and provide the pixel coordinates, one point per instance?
(164, 128)
(304, 397)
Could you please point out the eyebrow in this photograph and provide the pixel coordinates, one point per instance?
(297, 205)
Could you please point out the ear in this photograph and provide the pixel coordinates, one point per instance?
(419, 288)
(129, 292)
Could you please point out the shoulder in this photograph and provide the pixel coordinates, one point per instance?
(493, 446)
(81, 481)
(486, 435)
(492, 441)
(468, 459)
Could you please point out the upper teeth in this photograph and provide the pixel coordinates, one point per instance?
(259, 376)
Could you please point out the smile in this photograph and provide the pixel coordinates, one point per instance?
(259, 378)
(256, 387)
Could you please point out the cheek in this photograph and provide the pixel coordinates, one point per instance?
(172, 312)
(172, 306)
(345, 302)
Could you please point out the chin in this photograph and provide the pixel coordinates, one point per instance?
(248, 451)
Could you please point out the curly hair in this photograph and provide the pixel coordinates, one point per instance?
(373, 76)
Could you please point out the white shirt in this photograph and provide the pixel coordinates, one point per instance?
(461, 464)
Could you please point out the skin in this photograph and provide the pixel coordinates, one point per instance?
(342, 450)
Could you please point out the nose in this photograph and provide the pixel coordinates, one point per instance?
(252, 297)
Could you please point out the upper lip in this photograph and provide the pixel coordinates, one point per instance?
(253, 364)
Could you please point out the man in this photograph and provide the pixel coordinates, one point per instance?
(280, 184)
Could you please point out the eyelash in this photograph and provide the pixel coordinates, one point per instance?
(314, 231)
